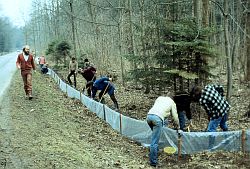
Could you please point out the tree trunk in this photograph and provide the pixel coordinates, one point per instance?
(131, 48)
(197, 11)
(248, 42)
(120, 41)
(205, 10)
(227, 51)
(92, 5)
(236, 44)
(141, 4)
(73, 27)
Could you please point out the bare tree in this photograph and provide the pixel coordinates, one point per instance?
(205, 16)
(248, 41)
(73, 26)
(227, 49)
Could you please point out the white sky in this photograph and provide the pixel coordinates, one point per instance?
(16, 10)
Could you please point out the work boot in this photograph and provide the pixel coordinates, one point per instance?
(116, 106)
(30, 95)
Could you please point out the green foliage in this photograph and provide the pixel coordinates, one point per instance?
(181, 52)
(58, 50)
(63, 48)
(51, 48)
(184, 74)
(191, 48)
(8, 36)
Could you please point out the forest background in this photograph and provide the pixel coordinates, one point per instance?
(156, 44)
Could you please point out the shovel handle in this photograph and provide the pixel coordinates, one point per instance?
(104, 92)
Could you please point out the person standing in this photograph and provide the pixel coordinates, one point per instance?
(211, 98)
(73, 67)
(163, 107)
(25, 62)
(42, 61)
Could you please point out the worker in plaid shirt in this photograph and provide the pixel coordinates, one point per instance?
(212, 100)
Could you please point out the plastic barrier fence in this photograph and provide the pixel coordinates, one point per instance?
(138, 130)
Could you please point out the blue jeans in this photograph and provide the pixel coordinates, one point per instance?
(155, 123)
(214, 123)
(182, 119)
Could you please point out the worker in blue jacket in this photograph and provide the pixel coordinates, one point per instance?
(105, 86)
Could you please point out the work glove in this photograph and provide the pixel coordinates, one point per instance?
(180, 132)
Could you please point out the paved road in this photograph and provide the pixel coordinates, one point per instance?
(7, 69)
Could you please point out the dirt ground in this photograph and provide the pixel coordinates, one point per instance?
(53, 131)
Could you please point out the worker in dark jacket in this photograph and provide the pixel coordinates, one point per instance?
(183, 101)
(105, 86)
(89, 74)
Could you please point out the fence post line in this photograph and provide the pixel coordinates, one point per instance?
(66, 89)
(243, 138)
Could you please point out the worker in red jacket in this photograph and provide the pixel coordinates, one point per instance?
(25, 62)
(89, 74)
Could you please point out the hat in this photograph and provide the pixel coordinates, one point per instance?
(26, 47)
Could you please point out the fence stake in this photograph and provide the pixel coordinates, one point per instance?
(179, 147)
(104, 113)
(66, 89)
(121, 123)
(243, 138)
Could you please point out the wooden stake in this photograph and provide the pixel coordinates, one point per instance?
(104, 113)
(120, 123)
(66, 88)
(243, 139)
(179, 147)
